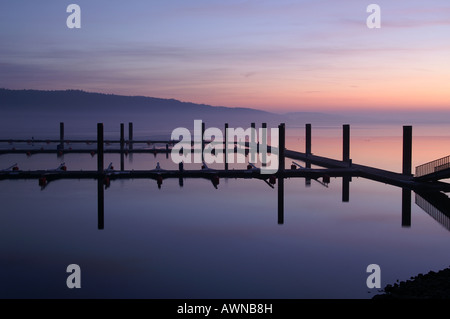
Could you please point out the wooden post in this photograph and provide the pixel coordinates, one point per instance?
(308, 139)
(407, 150)
(264, 144)
(346, 143)
(281, 147)
(225, 145)
(100, 164)
(252, 144)
(122, 145)
(61, 136)
(100, 179)
(130, 135)
(203, 140)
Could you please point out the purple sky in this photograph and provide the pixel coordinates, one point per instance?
(274, 55)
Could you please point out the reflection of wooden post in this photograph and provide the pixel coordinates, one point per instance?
(346, 189)
(346, 143)
(122, 145)
(225, 146)
(406, 207)
(407, 150)
(280, 200)
(101, 203)
(100, 148)
(308, 139)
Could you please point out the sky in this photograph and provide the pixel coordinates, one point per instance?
(278, 55)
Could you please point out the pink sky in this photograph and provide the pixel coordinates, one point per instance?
(272, 55)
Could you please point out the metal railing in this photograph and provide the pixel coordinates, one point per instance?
(434, 166)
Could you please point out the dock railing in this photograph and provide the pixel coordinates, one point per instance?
(432, 167)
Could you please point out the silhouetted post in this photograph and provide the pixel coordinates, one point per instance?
(100, 168)
(203, 140)
(308, 150)
(407, 150)
(225, 145)
(281, 147)
(61, 136)
(264, 144)
(346, 189)
(308, 139)
(406, 207)
(346, 143)
(130, 135)
(101, 203)
(100, 179)
(252, 144)
(122, 145)
(167, 150)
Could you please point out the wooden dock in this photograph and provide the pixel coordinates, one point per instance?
(329, 167)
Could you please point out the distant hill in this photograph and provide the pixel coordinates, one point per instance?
(77, 99)
(157, 111)
(44, 108)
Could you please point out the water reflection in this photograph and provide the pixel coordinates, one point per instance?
(435, 204)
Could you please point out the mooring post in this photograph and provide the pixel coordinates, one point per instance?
(122, 145)
(252, 144)
(130, 135)
(100, 178)
(263, 145)
(203, 140)
(100, 168)
(61, 136)
(406, 207)
(281, 147)
(122, 136)
(346, 143)
(308, 139)
(407, 150)
(225, 146)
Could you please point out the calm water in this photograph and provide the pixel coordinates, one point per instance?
(196, 241)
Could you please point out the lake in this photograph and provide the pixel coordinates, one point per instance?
(196, 241)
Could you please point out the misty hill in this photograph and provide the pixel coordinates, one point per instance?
(155, 111)
(37, 109)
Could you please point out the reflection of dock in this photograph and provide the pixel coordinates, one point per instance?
(437, 205)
